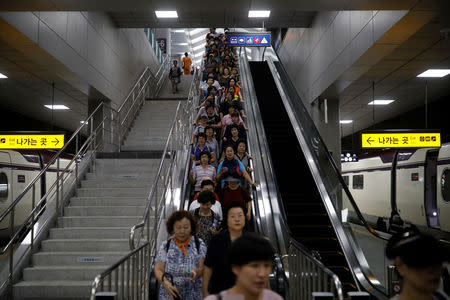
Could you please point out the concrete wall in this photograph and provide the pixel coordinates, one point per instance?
(315, 57)
(97, 54)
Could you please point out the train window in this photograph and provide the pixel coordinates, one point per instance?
(346, 180)
(445, 185)
(3, 187)
(358, 182)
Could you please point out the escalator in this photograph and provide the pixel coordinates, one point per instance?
(306, 214)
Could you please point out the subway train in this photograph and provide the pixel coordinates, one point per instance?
(413, 184)
(17, 169)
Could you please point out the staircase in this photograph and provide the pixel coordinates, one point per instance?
(151, 126)
(93, 233)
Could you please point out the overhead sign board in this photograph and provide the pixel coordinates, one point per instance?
(257, 39)
(406, 139)
(31, 141)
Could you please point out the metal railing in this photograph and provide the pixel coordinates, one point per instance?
(305, 273)
(147, 86)
(68, 176)
(167, 188)
(309, 275)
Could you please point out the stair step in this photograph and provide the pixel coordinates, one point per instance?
(103, 210)
(47, 273)
(121, 176)
(61, 289)
(90, 232)
(107, 201)
(77, 258)
(99, 221)
(124, 183)
(115, 192)
(87, 245)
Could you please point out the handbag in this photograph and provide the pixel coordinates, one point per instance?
(170, 278)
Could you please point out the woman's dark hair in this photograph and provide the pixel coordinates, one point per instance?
(205, 152)
(185, 54)
(227, 210)
(231, 79)
(206, 182)
(241, 141)
(178, 216)
(234, 126)
(201, 134)
(248, 248)
(205, 197)
(208, 127)
(228, 146)
(234, 113)
(416, 249)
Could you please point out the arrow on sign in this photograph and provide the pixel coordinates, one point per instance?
(56, 141)
(369, 141)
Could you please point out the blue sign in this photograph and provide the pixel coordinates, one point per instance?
(262, 39)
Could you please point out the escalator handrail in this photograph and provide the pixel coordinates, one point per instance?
(354, 257)
(338, 172)
(282, 248)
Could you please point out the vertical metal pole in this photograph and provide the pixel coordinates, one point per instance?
(76, 161)
(58, 207)
(373, 104)
(11, 254)
(426, 104)
(33, 200)
(116, 281)
(122, 273)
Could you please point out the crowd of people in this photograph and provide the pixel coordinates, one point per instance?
(206, 252)
(211, 252)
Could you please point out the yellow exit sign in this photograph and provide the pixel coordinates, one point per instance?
(31, 141)
(401, 140)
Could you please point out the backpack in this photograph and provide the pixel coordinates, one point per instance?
(196, 240)
(174, 72)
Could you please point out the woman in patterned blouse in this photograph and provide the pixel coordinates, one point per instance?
(182, 259)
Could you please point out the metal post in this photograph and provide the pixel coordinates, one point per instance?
(57, 188)
(11, 254)
(76, 161)
(122, 272)
(33, 200)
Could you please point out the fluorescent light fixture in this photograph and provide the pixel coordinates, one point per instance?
(2, 76)
(198, 47)
(178, 30)
(381, 102)
(437, 73)
(82, 122)
(346, 121)
(199, 39)
(258, 13)
(56, 107)
(181, 44)
(197, 30)
(166, 14)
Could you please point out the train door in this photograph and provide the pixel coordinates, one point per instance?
(6, 192)
(430, 196)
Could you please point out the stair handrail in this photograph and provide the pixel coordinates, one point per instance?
(293, 251)
(146, 85)
(176, 145)
(56, 188)
(355, 256)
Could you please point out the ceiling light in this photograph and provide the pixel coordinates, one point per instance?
(165, 14)
(178, 30)
(381, 102)
(181, 44)
(258, 13)
(56, 107)
(82, 122)
(346, 121)
(3, 76)
(197, 30)
(198, 47)
(435, 73)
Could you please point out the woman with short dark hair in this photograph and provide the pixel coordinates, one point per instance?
(418, 258)
(217, 271)
(179, 261)
(251, 258)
